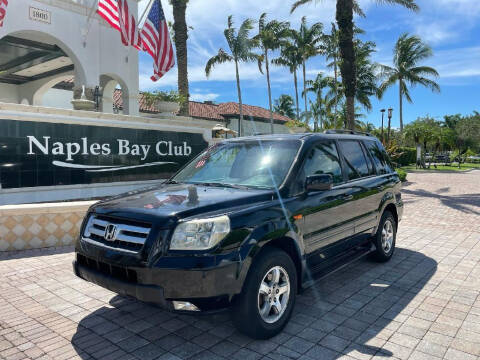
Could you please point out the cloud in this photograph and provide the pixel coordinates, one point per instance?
(203, 97)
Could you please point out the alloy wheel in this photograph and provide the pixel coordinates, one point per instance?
(273, 294)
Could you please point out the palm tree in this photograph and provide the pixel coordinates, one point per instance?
(284, 106)
(241, 46)
(291, 58)
(180, 37)
(344, 17)
(408, 52)
(307, 40)
(318, 112)
(366, 79)
(332, 54)
(270, 37)
(317, 87)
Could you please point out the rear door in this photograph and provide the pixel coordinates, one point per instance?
(361, 188)
(385, 179)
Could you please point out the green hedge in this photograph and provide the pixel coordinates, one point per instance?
(409, 156)
(402, 174)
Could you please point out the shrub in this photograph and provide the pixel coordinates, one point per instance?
(408, 155)
(402, 174)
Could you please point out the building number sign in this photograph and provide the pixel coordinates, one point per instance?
(40, 15)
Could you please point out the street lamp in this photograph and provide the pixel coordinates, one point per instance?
(383, 113)
(390, 112)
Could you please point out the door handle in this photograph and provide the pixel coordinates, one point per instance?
(347, 197)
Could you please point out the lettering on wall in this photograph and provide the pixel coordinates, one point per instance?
(45, 154)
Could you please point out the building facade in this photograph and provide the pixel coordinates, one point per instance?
(44, 42)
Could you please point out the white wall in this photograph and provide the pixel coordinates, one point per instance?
(8, 93)
(257, 127)
(58, 98)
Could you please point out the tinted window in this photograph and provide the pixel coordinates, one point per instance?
(380, 157)
(356, 164)
(322, 159)
(249, 163)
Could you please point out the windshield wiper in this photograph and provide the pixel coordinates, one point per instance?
(218, 184)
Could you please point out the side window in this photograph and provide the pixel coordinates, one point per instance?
(323, 159)
(380, 157)
(371, 168)
(356, 163)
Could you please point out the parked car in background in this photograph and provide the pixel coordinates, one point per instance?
(247, 225)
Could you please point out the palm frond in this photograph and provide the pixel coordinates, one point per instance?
(409, 4)
(298, 3)
(358, 10)
(220, 58)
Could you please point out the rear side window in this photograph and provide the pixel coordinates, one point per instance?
(355, 161)
(380, 157)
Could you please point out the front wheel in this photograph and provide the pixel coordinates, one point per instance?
(385, 237)
(266, 302)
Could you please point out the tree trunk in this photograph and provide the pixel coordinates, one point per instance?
(240, 120)
(269, 91)
(336, 81)
(181, 36)
(401, 104)
(296, 92)
(344, 17)
(305, 87)
(388, 131)
(319, 103)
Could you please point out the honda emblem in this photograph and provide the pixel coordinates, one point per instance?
(110, 232)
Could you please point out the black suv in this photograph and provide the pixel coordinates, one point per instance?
(246, 224)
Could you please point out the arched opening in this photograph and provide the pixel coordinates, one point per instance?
(32, 63)
(115, 94)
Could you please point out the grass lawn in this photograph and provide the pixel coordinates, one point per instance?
(464, 167)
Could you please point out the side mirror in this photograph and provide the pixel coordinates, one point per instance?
(319, 182)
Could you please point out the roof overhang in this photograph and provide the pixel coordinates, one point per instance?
(23, 60)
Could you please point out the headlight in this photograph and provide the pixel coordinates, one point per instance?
(201, 234)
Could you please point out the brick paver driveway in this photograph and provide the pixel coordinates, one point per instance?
(424, 304)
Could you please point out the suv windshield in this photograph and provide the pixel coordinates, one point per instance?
(262, 164)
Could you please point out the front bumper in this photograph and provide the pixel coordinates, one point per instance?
(208, 289)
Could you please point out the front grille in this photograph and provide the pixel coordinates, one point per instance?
(120, 273)
(121, 234)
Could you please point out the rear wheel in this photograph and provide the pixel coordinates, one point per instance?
(266, 302)
(385, 237)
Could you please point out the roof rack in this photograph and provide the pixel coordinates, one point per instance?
(344, 131)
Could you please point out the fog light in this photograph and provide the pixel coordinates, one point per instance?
(184, 306)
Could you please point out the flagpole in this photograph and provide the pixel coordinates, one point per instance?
(140, 20)
(88, 24)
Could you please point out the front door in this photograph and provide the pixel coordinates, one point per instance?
(325, 213)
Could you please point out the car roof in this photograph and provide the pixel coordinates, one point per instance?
(305, 136)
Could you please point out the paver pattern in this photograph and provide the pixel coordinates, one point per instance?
(423, 304)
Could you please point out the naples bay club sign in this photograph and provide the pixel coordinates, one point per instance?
(46, 154)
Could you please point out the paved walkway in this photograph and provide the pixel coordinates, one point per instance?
(424, 304)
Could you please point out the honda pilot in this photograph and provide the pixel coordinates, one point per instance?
(246, 225)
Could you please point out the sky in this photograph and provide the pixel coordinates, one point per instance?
(450, 27)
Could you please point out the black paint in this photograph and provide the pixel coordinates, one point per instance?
(18, 169)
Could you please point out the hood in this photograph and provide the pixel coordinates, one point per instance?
(170, 202)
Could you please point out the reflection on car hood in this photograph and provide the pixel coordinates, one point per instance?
(176, 201)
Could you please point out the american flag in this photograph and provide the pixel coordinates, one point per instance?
(116, 13)
(156, 41)
(3, 10)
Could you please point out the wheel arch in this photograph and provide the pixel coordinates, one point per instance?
(393, 209)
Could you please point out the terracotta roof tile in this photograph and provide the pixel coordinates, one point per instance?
(233, 108)
(209, 111)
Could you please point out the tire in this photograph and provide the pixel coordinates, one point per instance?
(385, 238)
(246, 309)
